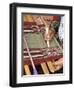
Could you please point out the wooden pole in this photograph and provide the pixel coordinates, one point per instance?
(47, 31)
(31, 59)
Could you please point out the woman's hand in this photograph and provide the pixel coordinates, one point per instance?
(56, 65)
(49, 35)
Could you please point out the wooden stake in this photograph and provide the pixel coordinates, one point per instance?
(44, 68)
(27, 70)
(50, 66)
(34, 68)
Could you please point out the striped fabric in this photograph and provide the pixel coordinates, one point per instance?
(36, 53)
(41, 53)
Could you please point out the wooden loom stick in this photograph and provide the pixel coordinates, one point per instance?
(27, 70)
(47, 31)
(44, 68)
(34, 69)
(50, 66)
